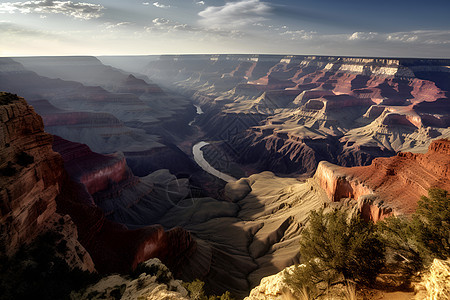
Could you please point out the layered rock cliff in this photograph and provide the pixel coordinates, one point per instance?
(36, 192)
(389, 185)
(30, 171)
(30, 182)
(287, 113)
(95, 171)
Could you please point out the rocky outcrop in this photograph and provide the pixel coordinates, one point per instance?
(102, 191)
(157, 285)
(29, 171)
(36, 192)
(339, 186)
(389, 185)
(435, 282)
(31, 181)
(95, 171)
(273, 288)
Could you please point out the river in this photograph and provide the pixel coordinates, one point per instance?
(200, 159)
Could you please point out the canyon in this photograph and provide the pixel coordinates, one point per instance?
(212, 163)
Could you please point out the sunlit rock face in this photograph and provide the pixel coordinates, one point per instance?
(146, 286)
(95, 171)
(31, 180)
(30, 171)
(287, 113)
(389, 185)
(109, 201)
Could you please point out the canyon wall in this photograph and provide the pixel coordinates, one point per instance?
(108, 109)
(389, 185)
(287, 113)
(31, 181)
(38, 195)
(29, 171)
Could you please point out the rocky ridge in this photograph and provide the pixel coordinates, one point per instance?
(389, 185)
(134, 116)
(36, 193)
(31, 175)
(283, 113)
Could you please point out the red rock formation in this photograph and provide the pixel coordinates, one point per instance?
(34, 188)
(95, 171)
(398, 181)
(112, 246)
(30, 182)
(29, 172)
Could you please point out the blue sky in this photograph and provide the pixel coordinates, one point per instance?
(394, 28)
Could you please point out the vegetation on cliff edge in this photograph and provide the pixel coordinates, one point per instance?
(335, 250)
(7, 98)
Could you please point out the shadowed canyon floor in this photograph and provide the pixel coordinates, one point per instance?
(141, 147)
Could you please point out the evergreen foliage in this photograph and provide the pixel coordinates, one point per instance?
(36, 272)
(334, 249)
(196, 292)
(416, 241)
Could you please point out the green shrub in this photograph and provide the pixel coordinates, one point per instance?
(195, 289)
(417, 240)
(431, 224)
(197, 292)
(334, 249)
(405, 254)
(7, 98)
(35, 272)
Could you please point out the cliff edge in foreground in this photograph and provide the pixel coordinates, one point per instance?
(30, 182)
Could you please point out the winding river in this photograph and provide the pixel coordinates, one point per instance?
(200, 159)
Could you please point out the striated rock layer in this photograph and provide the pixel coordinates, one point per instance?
(389, 185)
(287, 113)
(30, 182)
(29, 171)
(95, 171)
(36, 192)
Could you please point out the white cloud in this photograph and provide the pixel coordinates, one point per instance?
(363, 36)
(235, 14)
(410, 37)
(200, 2)
(78, 10)
(160, 5)
(165, 26)
(299, 34)
(402, 37)
(116, 25)
(145, 3)
(161, 25)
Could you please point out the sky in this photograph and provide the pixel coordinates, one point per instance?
(381, 28)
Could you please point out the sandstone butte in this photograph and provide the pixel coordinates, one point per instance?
(36, 191)
(390, 185)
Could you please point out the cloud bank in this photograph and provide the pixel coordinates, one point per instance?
(77, 10)
(235, 14)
